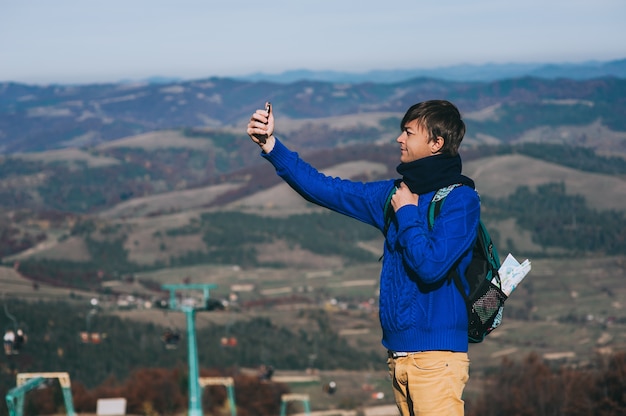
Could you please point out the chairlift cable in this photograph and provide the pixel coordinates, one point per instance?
(6, 311)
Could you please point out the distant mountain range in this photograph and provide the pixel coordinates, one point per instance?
(464, 72)
(37, 118)
(486, 72)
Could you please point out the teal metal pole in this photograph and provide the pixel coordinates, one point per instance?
(15, 396)
(69, 402)
(195, 393)
(173, 303)
(231, 400)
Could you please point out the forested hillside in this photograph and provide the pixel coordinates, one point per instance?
(126, 347)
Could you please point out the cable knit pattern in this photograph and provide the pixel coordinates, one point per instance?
(419, 309)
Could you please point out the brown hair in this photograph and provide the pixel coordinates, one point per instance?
(440, 118)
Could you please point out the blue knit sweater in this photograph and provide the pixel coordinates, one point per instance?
(419, 309)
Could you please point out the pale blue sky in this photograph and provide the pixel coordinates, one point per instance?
(84, 41)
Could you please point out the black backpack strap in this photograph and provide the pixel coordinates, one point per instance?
(387, 209)
(454, 275)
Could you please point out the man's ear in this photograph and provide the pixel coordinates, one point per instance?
(437, 144)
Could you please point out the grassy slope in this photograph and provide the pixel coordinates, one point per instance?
(495, 176)
(501, 175)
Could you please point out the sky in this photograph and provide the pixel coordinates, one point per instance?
(95, 41)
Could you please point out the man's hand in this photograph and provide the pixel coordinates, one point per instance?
(261, 128)
(402, 197)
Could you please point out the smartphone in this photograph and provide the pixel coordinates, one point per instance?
(268, 108)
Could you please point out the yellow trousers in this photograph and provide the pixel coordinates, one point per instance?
(429, 383)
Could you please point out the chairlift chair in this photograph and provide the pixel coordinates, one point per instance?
(14, 336)
(170, 339)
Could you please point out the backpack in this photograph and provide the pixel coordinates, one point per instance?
(485, 302)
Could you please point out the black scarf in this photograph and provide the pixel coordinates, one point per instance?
(432, 173)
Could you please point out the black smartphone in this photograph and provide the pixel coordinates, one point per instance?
(268, 108)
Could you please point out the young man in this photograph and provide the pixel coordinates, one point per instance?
(422, 314)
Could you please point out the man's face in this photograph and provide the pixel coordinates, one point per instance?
(414, 143)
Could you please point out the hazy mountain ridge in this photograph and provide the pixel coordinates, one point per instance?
(484, 73)
(36, 118)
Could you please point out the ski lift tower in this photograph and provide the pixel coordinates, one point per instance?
(195, 392)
